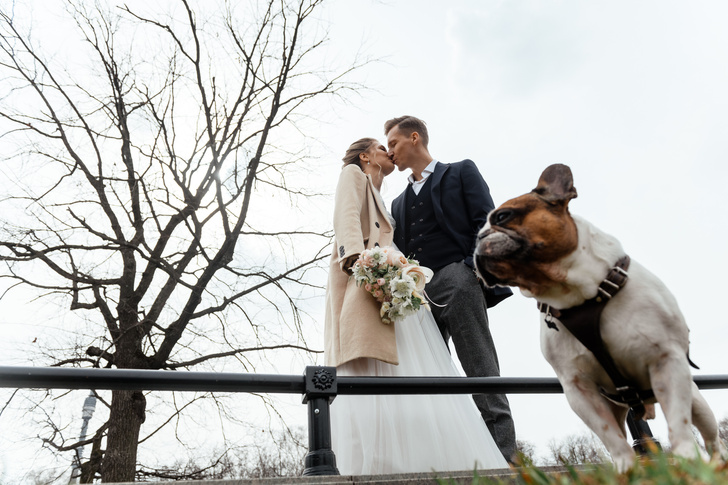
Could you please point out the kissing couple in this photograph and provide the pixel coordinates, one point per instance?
(435, 221)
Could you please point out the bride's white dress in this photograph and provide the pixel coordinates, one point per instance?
(383, 434)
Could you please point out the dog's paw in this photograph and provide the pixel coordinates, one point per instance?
(623, 464)
(623, 457)
(718, 451)
(689, 449)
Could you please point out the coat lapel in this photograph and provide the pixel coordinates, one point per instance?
(437, 175)
(379, 202)
(398, 208)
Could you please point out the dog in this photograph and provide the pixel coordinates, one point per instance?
(532, 242)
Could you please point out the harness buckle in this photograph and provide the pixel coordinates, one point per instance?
(605, 293)
(612, 283)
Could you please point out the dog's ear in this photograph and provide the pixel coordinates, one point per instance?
(556, 184)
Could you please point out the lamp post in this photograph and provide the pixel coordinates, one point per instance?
(89, 405)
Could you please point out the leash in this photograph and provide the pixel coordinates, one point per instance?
(583, 322)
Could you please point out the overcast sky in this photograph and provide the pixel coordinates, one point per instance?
(631, 95)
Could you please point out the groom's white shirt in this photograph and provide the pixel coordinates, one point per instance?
(417, 184)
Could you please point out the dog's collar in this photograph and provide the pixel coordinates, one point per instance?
(583, 322)
(610, 286)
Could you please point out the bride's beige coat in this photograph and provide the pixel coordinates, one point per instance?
(353, 326)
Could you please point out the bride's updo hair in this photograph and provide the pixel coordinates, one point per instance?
(357, 148)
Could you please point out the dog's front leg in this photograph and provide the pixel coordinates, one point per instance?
(604, 418)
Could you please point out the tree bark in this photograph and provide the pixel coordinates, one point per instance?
(125, 420)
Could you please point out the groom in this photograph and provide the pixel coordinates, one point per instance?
(438, 217)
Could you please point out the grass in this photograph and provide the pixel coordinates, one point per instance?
(657, 469)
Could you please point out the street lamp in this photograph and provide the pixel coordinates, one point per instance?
(89, 405)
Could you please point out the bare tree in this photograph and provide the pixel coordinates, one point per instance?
(577, 450)
(282, 456)
(131, 175)
(526, 451)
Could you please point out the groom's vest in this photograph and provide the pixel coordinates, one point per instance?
(425, 240)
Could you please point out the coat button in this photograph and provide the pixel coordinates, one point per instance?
(419, 250)
(413, 207)
(421, 204)
(376, 224)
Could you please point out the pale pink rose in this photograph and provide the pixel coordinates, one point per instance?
(381, 282)
(366, 259)
(368, 287)
(378, 293)
(396, 258)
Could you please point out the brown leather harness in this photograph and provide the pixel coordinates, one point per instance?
(583, 322)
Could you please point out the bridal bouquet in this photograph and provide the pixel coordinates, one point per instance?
(395, 281)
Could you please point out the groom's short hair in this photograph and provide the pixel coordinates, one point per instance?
(408, 125)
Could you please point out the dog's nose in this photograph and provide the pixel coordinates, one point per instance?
(484, 232)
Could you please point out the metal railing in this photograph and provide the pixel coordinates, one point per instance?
(318, 386)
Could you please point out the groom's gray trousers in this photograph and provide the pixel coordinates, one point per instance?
(460, 311)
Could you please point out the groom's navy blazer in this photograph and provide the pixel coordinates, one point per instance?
(461, 201)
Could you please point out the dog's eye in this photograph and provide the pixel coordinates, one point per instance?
(502, 216)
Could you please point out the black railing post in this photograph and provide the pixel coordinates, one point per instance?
(320, 390)
(641, 434)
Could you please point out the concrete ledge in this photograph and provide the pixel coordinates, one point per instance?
(505, 475)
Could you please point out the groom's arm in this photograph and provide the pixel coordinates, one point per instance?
(478, 202)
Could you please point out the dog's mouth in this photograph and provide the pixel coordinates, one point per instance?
(494, 252)
(488, 278)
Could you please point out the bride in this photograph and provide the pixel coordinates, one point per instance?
(382, 434)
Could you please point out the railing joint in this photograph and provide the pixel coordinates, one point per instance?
(320, 390)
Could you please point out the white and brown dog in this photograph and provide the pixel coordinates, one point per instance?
(573, 269)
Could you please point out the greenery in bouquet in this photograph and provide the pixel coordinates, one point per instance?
(397, 282)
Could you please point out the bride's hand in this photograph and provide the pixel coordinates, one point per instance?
(349, 262)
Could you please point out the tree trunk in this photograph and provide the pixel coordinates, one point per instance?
(125, 419)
